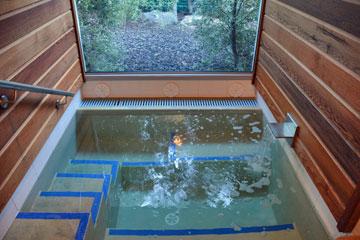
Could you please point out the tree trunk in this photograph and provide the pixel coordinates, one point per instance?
(190, 6)
(233, 35)
(175, 8)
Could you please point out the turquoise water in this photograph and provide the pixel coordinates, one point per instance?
(184, 170)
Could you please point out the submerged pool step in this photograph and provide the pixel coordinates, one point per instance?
(164, 104)
(139, 176)
(43, 225)
(72, 183)
(75, 202)
(68, 210)
(90, 166)
(57, 203)
(277, 232)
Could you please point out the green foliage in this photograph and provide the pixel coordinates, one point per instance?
(230, 26)
(161, 5)
(99, 22)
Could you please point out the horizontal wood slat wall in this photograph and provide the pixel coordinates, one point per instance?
(309, 65)
(38, 46)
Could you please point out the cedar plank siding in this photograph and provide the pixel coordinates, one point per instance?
(309, 65)
(38, 46)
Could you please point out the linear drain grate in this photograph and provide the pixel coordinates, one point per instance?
(123, 104)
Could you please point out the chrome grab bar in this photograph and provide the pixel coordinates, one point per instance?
(4, 100)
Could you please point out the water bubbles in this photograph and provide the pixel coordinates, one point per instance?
(274, 199)
(264, 181)
(254, 123)
(246, 116)
(145, 136)
(238, 127)
(209, 119)
(255, 130)
(160, 156)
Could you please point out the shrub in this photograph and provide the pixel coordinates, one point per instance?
(98, 22)
(230, 26)
(161, 5)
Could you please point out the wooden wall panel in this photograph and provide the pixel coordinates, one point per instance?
(20, 24)
(340, 13)
(340, 45)
(345, 84)
(16, 55)
(308, 65)
(12, 5)
(38, 46)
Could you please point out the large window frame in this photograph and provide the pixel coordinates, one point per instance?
(170, 76)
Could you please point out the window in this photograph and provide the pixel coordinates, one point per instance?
(168, 36)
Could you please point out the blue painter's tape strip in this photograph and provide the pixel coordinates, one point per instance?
(144, 164)
(96, 202)
(106, 177)
(218, 158)
(106, 185)
(80, 175)
(200, 159)
(114, 165)
(95, 161)
(83, 217)
(186, 232)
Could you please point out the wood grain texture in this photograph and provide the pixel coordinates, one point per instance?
(342, 14)
(344, 153)
(24, 161)
(38, 46)
(29, 125)
(336, 76)
(24, 107)
(36, 68)
(331, 198)
(11, 5)
(334, 177)
(17, 26)
(309, 66)
(345, 120)
(14, 57)
(341, 46)
(352, 213)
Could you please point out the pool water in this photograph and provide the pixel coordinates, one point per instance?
(176, 174)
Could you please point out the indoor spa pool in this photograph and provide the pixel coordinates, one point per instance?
(173, 174)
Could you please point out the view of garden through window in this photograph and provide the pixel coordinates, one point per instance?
(168, 35)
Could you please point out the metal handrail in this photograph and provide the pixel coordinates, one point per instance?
(4, 99)
(32, 88)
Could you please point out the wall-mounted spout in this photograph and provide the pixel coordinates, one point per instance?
(287, 129)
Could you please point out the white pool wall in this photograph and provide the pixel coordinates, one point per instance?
(12, 208)
(318, 203)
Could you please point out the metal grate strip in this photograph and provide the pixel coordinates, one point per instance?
(160, 104)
